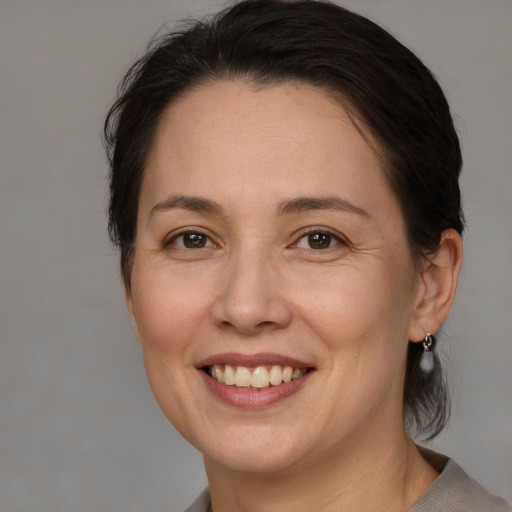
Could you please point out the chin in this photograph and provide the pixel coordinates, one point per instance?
(255, 461)
(263, 450)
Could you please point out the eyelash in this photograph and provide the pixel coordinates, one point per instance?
(319, 231)
(210, 243)
(172, 241)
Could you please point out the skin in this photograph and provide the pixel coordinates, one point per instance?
(347, 310)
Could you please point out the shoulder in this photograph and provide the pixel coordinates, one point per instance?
(455, 491)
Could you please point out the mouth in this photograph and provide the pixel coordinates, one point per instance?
(254, 381)
(259, 377)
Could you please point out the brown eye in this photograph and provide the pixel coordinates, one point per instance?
(318, 240)
(194, 240)
(191, 240)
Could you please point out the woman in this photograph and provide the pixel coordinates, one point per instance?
(284, 192)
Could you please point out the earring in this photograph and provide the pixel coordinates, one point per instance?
(427, 358)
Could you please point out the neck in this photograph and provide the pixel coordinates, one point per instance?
(383, 474)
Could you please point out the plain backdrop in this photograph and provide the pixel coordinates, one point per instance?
(79, 428)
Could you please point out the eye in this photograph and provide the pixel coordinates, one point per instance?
(318, 240)
(190, 240)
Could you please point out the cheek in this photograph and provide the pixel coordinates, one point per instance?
(356, 305)
(169, 312)
(362, 320)
(168, 309)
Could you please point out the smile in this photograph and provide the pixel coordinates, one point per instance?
(254, 381)
(259, 377)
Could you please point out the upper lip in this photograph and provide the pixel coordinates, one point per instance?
(252, 360)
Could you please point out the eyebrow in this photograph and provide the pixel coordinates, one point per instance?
(290, 206)
(304, 204)
(190, 203)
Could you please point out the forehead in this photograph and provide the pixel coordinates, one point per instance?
(232, 137)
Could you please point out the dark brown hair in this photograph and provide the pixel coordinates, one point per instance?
(375, 78)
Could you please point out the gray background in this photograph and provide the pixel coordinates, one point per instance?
(79, 428)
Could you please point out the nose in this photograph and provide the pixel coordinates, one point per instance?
(251, 298)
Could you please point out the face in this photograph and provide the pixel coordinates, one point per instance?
(269, 244)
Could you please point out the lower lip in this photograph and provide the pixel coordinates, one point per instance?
(249, 398)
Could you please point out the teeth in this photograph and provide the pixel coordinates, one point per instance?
(217, 373)
(276, 375)
(259, 377)
(229, 375)
(297, 374)
(287, 374)
(243, 377)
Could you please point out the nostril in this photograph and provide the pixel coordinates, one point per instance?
(264, 324)
(247, 328)
(225, 324)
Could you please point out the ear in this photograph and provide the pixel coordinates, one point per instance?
(438, 283)
(129, 305)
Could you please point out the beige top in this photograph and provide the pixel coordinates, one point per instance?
(452, 491)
